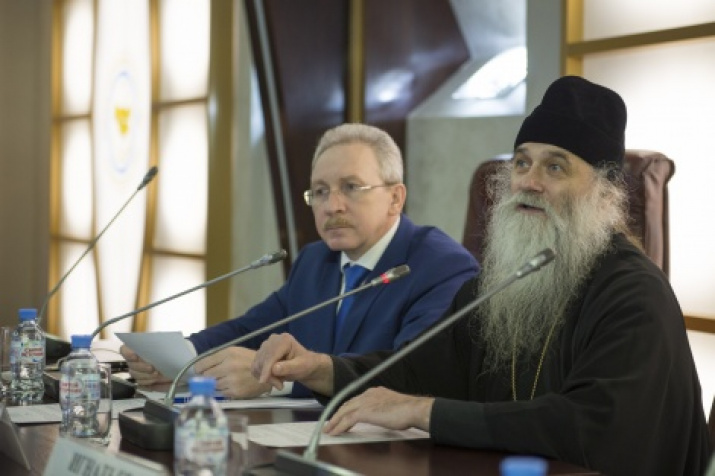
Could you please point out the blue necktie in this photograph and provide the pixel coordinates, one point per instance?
(353, 275)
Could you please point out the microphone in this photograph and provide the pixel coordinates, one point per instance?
(259, 263)
(148, 177)
(154, 429)
(387, 277)
(290, 463)
(535, 263)
(52, 381)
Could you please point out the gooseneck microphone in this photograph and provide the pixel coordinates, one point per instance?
(534, 264)
(259, 263)
(387, 277)
(148, 177)
(307, 464)
(154, 427)
(52, 383)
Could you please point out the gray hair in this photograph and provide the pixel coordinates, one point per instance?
(389, 157)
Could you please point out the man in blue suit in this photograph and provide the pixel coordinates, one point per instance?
(357, 195)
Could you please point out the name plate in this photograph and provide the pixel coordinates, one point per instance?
(72, 457)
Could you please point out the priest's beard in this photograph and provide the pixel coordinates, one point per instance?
(519, 319)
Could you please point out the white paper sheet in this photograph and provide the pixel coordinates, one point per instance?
(271, 402)
(265, 401)
(167, 351)
(50, 412)
(283, 435)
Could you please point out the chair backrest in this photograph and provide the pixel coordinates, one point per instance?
(646, 176)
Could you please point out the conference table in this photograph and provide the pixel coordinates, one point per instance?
(394, 458)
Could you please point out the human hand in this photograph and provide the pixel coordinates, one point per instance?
(141, 371)
(383, 407)
(281, 358)
(231, 368)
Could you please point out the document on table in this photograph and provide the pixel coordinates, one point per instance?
(265, 401)
(167, 351)
(282, 435)
(51, 413)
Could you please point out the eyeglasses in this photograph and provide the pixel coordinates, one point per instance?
(351, 191)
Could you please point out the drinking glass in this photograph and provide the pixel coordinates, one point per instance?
(104, 411)
(83, 420)
(5, 372)
(239, 459)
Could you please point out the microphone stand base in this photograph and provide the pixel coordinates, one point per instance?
(152, 428)
(288, 463)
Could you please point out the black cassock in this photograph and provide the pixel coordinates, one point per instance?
(618, 391)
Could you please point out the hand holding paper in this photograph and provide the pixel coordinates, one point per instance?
(165, 352)
(157, 357)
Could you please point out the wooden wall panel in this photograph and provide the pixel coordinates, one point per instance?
(308, 48)
(417, 42)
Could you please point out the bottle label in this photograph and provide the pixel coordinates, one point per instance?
(30, 351)
(202, 445)
(81, 386)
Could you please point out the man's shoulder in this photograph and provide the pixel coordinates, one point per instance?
(315, 254)
(625, 268)
(623, 255)
(318, 246)
(432, 253)
(426, 238)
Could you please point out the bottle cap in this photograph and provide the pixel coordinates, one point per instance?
(27, 314)
(81, 341)
(202, 385)
(523, 466)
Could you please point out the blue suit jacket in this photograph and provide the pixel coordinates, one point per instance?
(381, 318)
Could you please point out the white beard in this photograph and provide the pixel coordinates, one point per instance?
(517, 320)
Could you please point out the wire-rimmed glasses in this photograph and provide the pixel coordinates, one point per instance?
(352, 191)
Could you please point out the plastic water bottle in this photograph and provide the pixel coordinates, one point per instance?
(27, 359)
(79, 390)
(201, 435)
